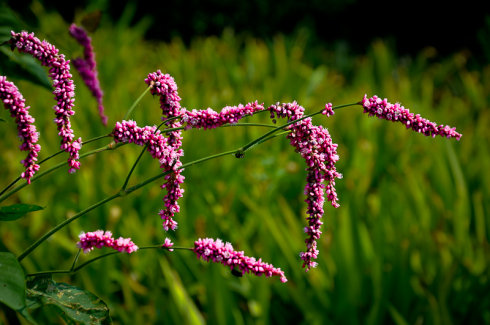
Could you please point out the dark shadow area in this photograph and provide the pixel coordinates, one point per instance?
(410, 25)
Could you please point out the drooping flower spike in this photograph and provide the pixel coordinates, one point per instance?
(218, 252)
(99, 238)
(59, 73)
(87, 68)
(15, 103)
(320, 154)
(159, 148)
(165, 87)
(381, 108)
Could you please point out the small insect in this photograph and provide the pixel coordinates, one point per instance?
(237, 273)
(239, 154)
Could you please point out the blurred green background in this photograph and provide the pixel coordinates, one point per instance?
(409, 244)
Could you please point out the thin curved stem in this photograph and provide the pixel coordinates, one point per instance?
(251, 124)
(110, 198)
(64, 223)
(44, 160)
(46, 172)
(126, 181)
(74, 269)
(260, 139)
(10, 185)
(136, 102)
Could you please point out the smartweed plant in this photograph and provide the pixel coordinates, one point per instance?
(25, 292)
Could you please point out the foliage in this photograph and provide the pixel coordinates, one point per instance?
(409, 243)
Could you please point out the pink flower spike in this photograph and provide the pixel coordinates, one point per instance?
(167, 244)
(98, 239)
(320, 154)
(164, 86)
(216, 251)
(87, 67)
(15, 103)
(381, 108)
(64, 91)
(159, 148)
(209, 119)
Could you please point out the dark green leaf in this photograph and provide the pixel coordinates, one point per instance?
(12, 283)
(15, 65)
(8, 22)
(16, 211)
(22, 66)
(73, 304)
(2, 120)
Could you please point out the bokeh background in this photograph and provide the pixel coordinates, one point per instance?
(410, 242)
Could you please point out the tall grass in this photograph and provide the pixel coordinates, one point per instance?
(409, 244)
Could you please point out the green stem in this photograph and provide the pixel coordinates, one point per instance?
(126, 181)
(75, 260)
(66, 222)
(83, 143)
(46, 172)
(260, 139)
(251, 124)
(96, 139)
(10, 185)
(74, 269)
(110, 198)
(130, 110)
(44, 160)
(158, 176)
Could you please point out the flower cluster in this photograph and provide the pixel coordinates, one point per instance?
(210, 119)
(328, 110)
(168, 244)
(98, 239)
(86, 66)
(216, 251)
(130, 132)
(159, 148)
(164, 86)
(59, 72)
(320, 153)
(15, 103)
(381, 108)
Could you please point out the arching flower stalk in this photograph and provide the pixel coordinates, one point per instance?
(15, 103)
(59, 73)
(381, 108)
(320, 154)
(164, 86)
(159, 148)
(218, 252)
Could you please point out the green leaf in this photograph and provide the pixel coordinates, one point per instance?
(73, 304)
(2, 120)
(12, 283)
(8, 21)
(16, 211)
(15, 65)
(23, 66)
